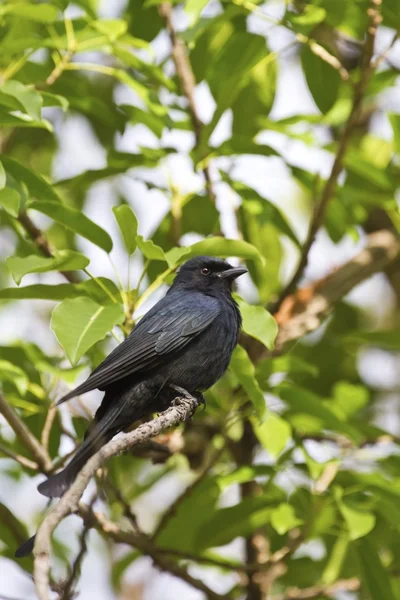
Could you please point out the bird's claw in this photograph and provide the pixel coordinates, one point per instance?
(185, 394)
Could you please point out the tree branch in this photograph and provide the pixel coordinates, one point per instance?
(39, 239)
(328, 191)
(184, 407)
(316, 591)
(187, 83)
(305, 310)
(25, 436)
(24, 462)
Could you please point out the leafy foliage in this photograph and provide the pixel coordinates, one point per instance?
(298, 450)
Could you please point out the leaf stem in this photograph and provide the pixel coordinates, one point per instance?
(101, 284)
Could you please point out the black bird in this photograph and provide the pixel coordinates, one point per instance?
(186, 339)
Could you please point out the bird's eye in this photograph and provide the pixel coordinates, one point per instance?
(205, 271)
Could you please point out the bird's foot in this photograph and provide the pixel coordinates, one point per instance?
(185, 394)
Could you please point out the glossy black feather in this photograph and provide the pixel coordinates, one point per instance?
(167, 327)
(186, 339)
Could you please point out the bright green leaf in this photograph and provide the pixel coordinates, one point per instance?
(244, 370)
(258, 323)
(283, 518)
(223, 247)
(36, 184)
(42, 13)
(127, 222)
(112, 28)
(80, 322)
(2, 176)
(63, 260)
(28, 100)
(76, 221)
(12, 373)
(50, 99)
(375, 576)
(273, 434)
(359, 521)
(322, 79)
(149, 249)
(9, 200)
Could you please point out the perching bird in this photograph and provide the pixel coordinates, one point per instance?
(186, 339)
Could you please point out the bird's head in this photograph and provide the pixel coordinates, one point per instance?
(206, 273)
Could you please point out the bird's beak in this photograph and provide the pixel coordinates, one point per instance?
(232, 273)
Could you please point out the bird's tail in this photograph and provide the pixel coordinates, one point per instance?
(99, 433)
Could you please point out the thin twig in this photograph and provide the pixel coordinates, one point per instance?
(187, 82)
(67, 586)
(330, 185)
(24, 462)
(25, 436)
(182, 409)
(47, 427)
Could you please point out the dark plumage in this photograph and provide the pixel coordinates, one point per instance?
(186, 339)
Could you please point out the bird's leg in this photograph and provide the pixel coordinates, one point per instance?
(182, 392)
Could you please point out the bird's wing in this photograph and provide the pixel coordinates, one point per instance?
(167, 328)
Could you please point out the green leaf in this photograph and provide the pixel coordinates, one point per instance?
(262, 208)
(50, 99)
(375, 576)
(90, 288)
(244, 370)
(80, 322)
(258, 323)
(381, 178)
(350, 398)
(27, 99)
(395, 123)
(273, 434)
(190, 517)
(255, 100)
(42, 13)
(283, 518)
(336, 560)
(226, 524)
(9, 200)
(149, 249)
(155, 123)
(175, 256)
(317, 415)
(15, 375)
(389, 338)
(193, 9)
(63, 260)
(111, 28)
(76, 221)
(359, 522)
(229, 73)
(2, 176)
(223, 247)
(36, 184)
(243, 474)
(310, 17)
(127, 222)
(323, 80)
